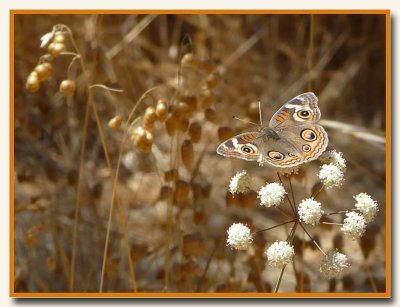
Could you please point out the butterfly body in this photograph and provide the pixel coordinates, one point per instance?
(293, 136)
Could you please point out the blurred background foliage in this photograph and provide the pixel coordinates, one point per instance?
(174, 208)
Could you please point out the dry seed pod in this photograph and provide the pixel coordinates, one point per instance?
(213, 80)
(195, 132)
(44, 71)
(197, 191)
(207, 67)
(182, 108)
(161, 110)
(115, 122)
(191, 268)
(183, 124)
(26, 175)
(198, 214)
(149, 118)
(32, 83)
(206, 99)
(171, 124)
(149, 141)
(224, 133)
(190, 60)
(230, 199)
(67, 87)
(259, 242)
(303, 282)
(348, 283)
(182, 191)
(248, 199)
(139, 134)
(297, 245)
(193, 245)
(59, 38)
(210, 115)
(338, 241)
(332, 285)
(165, 192)
(55, 49)
(187, 153)
(367, 243)
(143, 139)
(191, 102)
(171, 175)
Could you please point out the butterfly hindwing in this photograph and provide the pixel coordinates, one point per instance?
(296, 145)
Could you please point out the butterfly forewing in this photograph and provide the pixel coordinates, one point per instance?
(243, 146)
(290, 114)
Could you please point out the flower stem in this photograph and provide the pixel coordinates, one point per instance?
(315, 194)
(290, 239)
(266, 229)
(290, 203)
(328, 223)
(338, 212)
(311, 238)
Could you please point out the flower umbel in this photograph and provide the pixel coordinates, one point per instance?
(367, 206)
(239, 236)
(333, 263)
(334, 157)
(280, 253)
(272, 194)
(310, 211)
(353, 225)
(331, 175)
(240, 183)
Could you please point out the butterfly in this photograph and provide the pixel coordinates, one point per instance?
(292, 137)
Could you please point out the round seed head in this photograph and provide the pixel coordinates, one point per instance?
(32, 83)
(195, 132)
(67, 87)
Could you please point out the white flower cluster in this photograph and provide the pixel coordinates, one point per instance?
(280, 253)
(310, 211)
(331, 175)
(334, 157)
(239, 236)
(333, 263)
(272, 194)
(367, 206)
(353, 225)
(240, 183)
(289, 170)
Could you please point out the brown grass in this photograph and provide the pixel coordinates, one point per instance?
(97, 210)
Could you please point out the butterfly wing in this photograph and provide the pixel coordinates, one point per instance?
(293, 137)
(299, 110)
(296, 145)
(245, 146)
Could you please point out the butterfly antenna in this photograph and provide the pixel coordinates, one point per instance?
(259, 110)
(246, 121)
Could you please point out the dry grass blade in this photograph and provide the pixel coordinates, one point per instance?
(130, 36)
